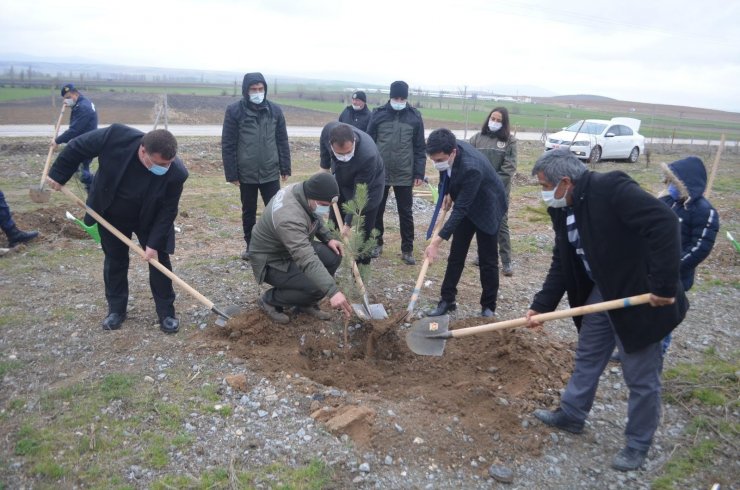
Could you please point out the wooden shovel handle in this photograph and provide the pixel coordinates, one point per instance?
(45, 172)
(202, 299)
(417, 288)
(614, 304)
(355, 270)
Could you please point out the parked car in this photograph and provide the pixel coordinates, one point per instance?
(596, 139)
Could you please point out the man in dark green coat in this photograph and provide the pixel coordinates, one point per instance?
(398, 130)
(254, 149)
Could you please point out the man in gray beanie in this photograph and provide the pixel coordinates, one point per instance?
(293, 251)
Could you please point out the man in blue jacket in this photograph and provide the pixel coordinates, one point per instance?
(83, 119)
(137, 189)
(612, 240)
(398, 130)
(354, 159)
(254, 149)
(469, 181)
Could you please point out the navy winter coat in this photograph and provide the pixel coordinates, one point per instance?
(82, 120)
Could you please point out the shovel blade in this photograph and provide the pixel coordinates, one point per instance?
(428, 336)
(39, 195)
(224, 314)
(361, 312)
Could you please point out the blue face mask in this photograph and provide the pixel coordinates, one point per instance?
(158, 170)
(674, 192)
(322, 209)
(398, 106)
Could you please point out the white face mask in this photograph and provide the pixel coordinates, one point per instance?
(552, 201)
(70, 102)
(442, 166)
(357, 107)
(346, 157)
(494, 125)
(399, 106)
(257, 98)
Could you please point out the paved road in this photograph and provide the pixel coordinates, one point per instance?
(35, 130)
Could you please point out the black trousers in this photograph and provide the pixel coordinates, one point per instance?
(248, 194)
(293, 287)
(368, 224)
(488, 256)
(115, 271)
(404, 200)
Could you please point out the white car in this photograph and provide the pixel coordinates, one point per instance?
(596, 139)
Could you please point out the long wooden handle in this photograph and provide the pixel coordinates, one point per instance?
(45, 172)
(715, 165)
(355, 270)
(205, 301)
(555, 315)
(417, 288)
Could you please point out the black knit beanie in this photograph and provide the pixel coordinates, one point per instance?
(399, 89)
(322, 187)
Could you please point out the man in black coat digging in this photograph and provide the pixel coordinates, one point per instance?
(137, 189)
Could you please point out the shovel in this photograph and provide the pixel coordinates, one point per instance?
(424, 267)
(224, 314)
(427, 337)
(90, 230)
(38, 193)
(365, 311)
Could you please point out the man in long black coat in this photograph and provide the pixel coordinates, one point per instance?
(137, 189)
(612, 240)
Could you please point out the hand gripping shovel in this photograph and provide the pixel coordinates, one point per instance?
(224, 314)
(417, 289)
(427, 337)
(39, 193)
(365, 311)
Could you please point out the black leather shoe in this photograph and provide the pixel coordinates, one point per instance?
(629, 459)
(113, 321)
(16, 236)
(558, 419)
(169, 324)
(442, 308)
(376, 252)
(408, 259)
(487, 313)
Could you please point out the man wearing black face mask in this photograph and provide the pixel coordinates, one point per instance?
(137, 189)
(254, 149)
(612, 240)
(354, 159)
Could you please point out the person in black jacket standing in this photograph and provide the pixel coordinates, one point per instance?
(612, 240)
(398, 130)
(357, 114)
(254, 149)
(82, 120)
(353, 157)
(137, 189)
(468, 180)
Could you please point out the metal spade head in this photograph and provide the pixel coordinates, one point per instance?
(428, 336)
(225, 314)
(39, 194)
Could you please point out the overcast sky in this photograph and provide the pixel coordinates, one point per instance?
(661, 51)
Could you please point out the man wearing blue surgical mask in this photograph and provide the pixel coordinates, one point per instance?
(354, 159)
(398, 130)
(357, 114)
(613, 240)
(254, 149)
(137, 189)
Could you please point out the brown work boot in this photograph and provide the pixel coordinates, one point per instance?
(314, 311)
(275, 315)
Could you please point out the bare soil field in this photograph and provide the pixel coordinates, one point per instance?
(246, 397)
